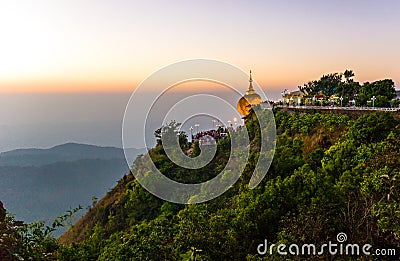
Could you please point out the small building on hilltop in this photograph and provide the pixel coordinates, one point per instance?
(300, 98)
(293, 98)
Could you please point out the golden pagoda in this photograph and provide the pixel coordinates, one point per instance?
(249, 99)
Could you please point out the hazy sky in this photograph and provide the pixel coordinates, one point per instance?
(103, 46)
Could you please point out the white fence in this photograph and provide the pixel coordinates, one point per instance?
(339, 108)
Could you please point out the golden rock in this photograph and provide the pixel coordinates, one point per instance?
(249, 99)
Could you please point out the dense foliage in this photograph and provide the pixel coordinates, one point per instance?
(343, 85)
(19, 241)
(330, 174)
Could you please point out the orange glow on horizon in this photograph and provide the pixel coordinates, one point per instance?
(82, 86)
(79, 46)
(269, 79)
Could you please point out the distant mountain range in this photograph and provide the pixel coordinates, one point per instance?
(64, 152)
(41, 184)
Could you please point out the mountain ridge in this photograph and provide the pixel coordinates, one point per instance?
(40, 184)
(63, 152)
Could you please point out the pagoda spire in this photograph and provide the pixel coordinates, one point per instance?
(250, 77)
(251, 89)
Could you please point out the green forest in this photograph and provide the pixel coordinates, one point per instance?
(343, 85)
(331, 173)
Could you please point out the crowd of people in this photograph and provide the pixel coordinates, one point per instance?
(210, 137)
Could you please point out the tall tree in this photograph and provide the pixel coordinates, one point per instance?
(348, 74)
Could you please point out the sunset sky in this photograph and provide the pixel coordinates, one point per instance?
(67, 68)
(108, 46)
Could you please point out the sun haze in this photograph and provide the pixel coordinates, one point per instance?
(111, 46)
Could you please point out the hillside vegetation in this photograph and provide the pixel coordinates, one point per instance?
(330, 174)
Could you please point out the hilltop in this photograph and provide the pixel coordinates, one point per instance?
(329, 174)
